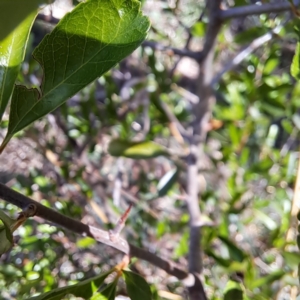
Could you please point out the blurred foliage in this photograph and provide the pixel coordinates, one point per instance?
(246, 175)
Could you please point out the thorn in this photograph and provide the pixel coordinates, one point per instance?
(113, 234)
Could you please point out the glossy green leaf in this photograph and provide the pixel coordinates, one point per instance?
(6, 238)
(137, 150)
(166, 182)
(84, 289)
(295, 66)
(86, 43)
(137, 287)
(16, 21)
(233, 290)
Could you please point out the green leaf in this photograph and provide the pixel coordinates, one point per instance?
(85, 44)
(166, 182)
(136, 150)
(198, 29)
(267, 221)
(249, 35)
(292, 258)
(219, 260)
(85, 242)
(137, 287)
(182, 247)
(233, 290)
(108, 293)
(84, 289)
(18, 19)
(295, 70)
(267, 280)
(235, 253)
(6, 238)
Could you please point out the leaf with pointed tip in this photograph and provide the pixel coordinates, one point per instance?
(16, 21)
(136, 150)
(84, 289)
(85, 44)
(137, 287)
(108, 293)
(167, 181)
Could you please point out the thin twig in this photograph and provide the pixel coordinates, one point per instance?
(213, 29)
(243, 11)
(256, 43)
(172, 50)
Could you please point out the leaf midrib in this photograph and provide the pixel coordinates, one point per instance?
(44, 95)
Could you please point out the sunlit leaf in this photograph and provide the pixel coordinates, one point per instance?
(232, 291)
(267, 279)
(85, 242)
(137, 287)
(137, 150)
(198, 29)
(267, 220)
(16, 22)
(86, 43)
(166, 182)
(295, 66)
(84, 289)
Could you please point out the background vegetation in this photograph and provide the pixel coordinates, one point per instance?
(226, 141)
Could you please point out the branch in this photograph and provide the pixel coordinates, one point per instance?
(97, 234)
(171, 50)
(201, 114)
(213, 29)
(55, 217)
(243, 11)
